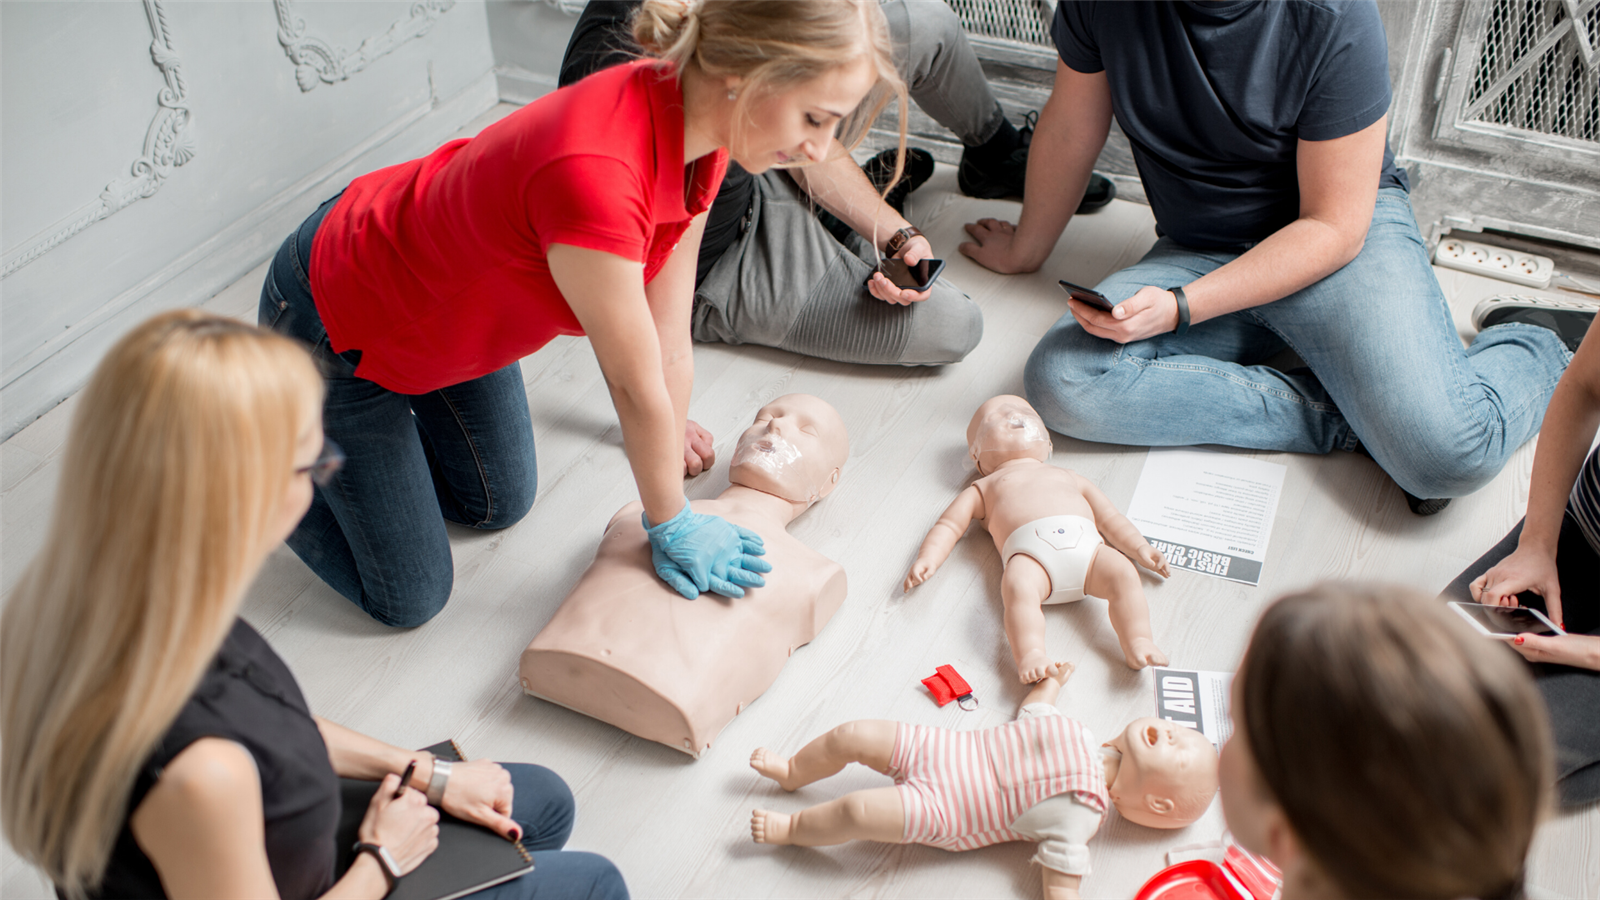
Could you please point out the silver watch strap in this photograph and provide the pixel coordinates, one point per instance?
(441, 777)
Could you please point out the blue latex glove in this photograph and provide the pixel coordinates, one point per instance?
(692, 552)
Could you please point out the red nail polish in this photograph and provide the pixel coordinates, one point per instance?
(1517, 640)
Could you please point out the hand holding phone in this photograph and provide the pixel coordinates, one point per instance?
(917, 276)
(1087, 295)
(1505, 622)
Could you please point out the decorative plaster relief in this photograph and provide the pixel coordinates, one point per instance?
(167, 144)
(316, 61)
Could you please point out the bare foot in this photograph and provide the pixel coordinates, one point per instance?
(768, 827)
(1034, 665)
(1141, 652)
(775, 767)
(1060, 672)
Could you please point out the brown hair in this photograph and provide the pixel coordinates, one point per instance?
(1410, 755)
(773, 44)
(181, 450)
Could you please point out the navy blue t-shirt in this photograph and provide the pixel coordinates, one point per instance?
(1214, 97)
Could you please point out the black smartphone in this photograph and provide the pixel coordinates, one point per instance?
(1087, 295)
(1505, 621)
(918, 276)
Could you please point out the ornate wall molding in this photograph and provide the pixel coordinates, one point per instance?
(167, 144)
(316, 61)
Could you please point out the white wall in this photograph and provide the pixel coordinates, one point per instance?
(79, 90)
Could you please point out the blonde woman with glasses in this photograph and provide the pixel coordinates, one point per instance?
(151, 743)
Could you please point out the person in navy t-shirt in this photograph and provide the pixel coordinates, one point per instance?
(1259, 131)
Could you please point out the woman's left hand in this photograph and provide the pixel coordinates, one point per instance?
(1580, 650)
(480, 792)
(1150, 312)
(698, 454)
(914, 251)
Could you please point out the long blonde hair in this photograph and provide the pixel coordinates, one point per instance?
(775, 44)
(180, 455)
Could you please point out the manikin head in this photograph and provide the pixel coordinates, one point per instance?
(794, 450)
(1167, 776)
(1006, 428)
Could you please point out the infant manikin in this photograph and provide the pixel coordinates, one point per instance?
(1040, 778)
(627, 649)
(1047, 523)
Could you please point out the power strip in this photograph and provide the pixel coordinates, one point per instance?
(1494, 262)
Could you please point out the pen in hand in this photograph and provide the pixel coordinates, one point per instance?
(405, 779)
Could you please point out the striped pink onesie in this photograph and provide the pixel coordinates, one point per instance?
(963, 789)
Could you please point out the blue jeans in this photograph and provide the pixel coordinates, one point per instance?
(376, 533)
(1386, 369)
(542, 805)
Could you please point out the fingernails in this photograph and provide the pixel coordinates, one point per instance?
(516, 834)
(1518, 640)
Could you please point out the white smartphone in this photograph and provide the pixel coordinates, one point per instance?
(1505, 621)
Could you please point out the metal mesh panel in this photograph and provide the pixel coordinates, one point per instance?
(1026, 21)
(1538, 69)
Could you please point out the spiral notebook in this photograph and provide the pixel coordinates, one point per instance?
(469, 858)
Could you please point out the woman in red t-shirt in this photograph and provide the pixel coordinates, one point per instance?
(422, 284)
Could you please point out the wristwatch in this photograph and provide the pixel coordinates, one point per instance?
(391, 869)
(1183, 310)
(441, 771)
(899, 240)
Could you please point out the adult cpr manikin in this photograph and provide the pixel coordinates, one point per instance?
(627, 649)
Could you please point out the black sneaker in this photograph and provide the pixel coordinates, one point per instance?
(1422, 506)
(1569, 319)
(1007, 179)
(918, 169)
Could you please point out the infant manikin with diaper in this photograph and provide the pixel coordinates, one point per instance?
(1059, 538)
(1039, 778)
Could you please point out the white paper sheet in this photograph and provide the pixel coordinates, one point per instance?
(1208, 512)
(1198, 700)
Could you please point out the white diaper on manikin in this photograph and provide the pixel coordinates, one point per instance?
(1064, 546)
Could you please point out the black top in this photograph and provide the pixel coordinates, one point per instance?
(248, 696)
(602, 39)
(1215, 97)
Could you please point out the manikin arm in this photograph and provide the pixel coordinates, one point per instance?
(1057, 885)
(944, 534)
(1121, 533)
(1060, 885)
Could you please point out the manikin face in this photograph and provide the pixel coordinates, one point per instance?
(794, 450)
(1164, 767)
(1006, 428)
(795, 126)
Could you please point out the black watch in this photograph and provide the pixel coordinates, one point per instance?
(391, 869)
(1183, 310)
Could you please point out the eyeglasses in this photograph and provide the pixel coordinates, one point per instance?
(328, 462)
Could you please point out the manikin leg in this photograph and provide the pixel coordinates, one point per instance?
(873, 815)
(1024, 587)
(1114, 577)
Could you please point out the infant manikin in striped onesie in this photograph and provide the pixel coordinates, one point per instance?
(1040, 777)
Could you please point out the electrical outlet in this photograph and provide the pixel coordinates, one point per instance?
(1494, 262)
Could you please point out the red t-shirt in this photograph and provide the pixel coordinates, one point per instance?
(436, 269)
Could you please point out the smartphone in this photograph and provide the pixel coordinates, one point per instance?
(1505, 621)
(1086, 295)
(917, 276)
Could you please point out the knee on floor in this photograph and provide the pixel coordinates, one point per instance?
(1066, 395)
(1442, 475)
(944, 333)
(410, 606)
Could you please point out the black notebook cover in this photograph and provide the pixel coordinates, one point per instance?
(469, 857)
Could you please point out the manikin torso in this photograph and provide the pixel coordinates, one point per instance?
(627, 649)
(1026, 490)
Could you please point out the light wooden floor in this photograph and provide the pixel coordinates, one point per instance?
(679, 828)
